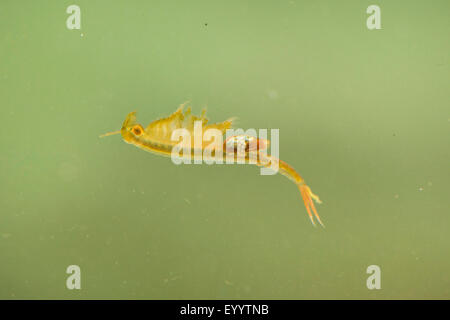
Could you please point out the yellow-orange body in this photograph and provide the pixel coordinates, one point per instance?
(157, 138)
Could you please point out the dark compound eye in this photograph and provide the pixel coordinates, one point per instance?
(137, 131)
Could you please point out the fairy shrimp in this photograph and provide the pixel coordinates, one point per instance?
(157, 138)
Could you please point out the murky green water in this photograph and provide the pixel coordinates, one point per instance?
(363, 116)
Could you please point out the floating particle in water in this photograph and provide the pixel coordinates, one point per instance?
(272, 94)
(171, 277)
(228, 283)
(420, 189)
(396, 196)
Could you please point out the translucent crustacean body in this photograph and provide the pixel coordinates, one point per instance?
(156, 138)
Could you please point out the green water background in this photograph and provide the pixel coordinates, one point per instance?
(363, 116)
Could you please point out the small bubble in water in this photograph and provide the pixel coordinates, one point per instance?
(273, 94)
